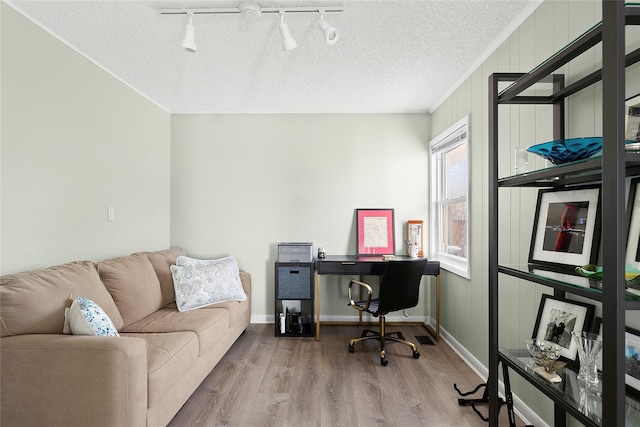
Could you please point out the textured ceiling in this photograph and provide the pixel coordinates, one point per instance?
(392, 56)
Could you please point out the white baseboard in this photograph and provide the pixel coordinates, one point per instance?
(520, 408)
(269, 318)
(262, 318)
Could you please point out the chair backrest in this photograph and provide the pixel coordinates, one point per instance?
(400, 285)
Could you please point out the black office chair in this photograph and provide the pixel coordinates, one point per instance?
(399, 289)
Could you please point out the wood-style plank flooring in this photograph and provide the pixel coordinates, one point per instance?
(269, 381)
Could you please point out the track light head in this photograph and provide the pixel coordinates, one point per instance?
(189, 42)
(331, 34)
(288, 42)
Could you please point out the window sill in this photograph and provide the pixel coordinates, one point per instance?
(454, 265)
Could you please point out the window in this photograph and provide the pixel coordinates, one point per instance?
(449, 198)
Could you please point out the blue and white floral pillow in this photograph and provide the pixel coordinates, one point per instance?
(85, 317)
(199, 283)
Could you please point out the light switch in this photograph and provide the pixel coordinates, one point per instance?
(111, 213)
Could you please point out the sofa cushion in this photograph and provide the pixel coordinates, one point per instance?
(209, 325)
(199, 283)
(170, 356)
(198, 287)
(85, 317)
(161, 261)
(34, 302)
(133, 284)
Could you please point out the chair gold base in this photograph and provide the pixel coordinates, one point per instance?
(383, 337)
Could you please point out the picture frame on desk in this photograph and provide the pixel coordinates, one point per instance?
(415, 233)
(566, 228)
(557, 318)
(375, 232)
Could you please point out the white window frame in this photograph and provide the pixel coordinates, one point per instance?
(453, 137)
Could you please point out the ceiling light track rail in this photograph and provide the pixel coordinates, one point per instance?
(252, 10)
(235, 10)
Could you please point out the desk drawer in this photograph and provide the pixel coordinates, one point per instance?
(348, 267)
(294, 282)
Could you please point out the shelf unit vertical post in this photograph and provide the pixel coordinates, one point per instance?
(492, 381)
(613, 211)
(558, 133)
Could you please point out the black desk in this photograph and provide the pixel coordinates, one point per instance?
(368, 266)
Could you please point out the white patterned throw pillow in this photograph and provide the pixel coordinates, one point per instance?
(85, 317)
(199, 283)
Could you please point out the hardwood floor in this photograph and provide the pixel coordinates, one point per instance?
(269, 381)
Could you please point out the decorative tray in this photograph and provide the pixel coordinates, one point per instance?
(568, 150)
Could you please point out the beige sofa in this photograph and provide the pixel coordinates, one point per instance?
(141, 378)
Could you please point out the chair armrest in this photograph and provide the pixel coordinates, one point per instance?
(361, 285)
(64, 380)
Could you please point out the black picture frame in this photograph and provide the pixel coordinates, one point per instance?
(632, 121)
(632, 363)
(632, 257)
(557, 318)
(566, 228)
(631, 342)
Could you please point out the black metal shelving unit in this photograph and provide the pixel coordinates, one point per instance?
(610, 170)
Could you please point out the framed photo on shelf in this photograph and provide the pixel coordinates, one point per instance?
(632, 360)
(557, 319)
(632, 257)
(632, 122)
(375, 232)
(566, 228)
(415, 235)
(631, 356)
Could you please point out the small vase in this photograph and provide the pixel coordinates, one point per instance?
(589, 347)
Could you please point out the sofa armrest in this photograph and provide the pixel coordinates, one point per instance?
(64, 380)
(245, 278)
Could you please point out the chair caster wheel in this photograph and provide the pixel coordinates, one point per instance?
(351, 348)
(416, 355)
(384, 361)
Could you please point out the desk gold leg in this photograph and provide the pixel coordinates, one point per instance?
(438, 307)
(318, 307)
(361, 298)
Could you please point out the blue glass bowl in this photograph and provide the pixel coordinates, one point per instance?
(568, 150)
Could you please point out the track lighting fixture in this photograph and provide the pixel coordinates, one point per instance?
(288, 42)
(252, 10)
(189, 42)
(331, 34)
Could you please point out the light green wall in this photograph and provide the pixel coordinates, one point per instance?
(75, 140)
(549, 28)
(242, 183)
